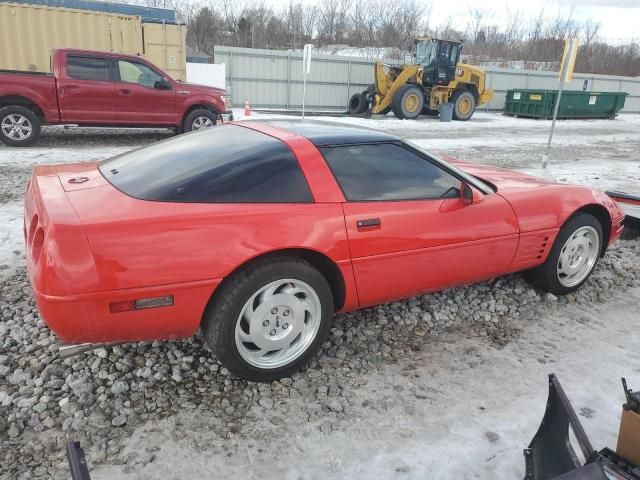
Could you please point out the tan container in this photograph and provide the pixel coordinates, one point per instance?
(629, 437)
(28, 33)
(165, 47)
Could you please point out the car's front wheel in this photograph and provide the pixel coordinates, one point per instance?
(199, 119)
(573, 256)
(268, 320)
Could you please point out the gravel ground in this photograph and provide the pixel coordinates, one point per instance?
(108, 397)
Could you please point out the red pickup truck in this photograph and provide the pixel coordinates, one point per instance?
(89, 88)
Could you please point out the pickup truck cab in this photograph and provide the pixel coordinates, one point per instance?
(91, 88)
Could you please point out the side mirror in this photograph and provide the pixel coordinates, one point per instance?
(162, 84)
(466, 194)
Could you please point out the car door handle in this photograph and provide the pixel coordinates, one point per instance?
(71, 89)
(369, 222)
(124, 91)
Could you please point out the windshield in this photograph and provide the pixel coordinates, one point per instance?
(480, 184)
(426, 52)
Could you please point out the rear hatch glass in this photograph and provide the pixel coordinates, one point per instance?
(223, 164)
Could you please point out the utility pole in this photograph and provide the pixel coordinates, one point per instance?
(566, 72)
(306, 68)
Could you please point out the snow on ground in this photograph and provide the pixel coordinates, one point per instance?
(11, 238)
(461, 409)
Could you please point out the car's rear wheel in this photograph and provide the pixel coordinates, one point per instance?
(269, 319)
(199, 119)
(573, 256)
(19, 126)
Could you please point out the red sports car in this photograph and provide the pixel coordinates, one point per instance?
(258, 233)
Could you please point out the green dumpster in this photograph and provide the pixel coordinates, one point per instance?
(573, 103)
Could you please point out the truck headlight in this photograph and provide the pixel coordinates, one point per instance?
(227, 100)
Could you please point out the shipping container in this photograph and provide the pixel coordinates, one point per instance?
(28, 33)
(148, 14)
(165, 46)
(573, 103)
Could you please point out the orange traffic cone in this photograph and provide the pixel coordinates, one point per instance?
(247, 108)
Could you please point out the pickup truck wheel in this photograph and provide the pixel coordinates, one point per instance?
(19, 126)
(199, 119)
(268, 320)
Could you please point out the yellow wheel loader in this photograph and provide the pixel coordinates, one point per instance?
(435, 78)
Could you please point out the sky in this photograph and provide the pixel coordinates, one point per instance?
(619, 19)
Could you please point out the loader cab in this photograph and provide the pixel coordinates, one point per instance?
(438, 59)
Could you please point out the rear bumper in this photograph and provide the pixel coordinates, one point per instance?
(87, 318)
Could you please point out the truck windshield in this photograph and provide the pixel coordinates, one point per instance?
(426, 52)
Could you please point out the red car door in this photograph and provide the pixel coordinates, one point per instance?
(144, 95)
(409, 232)
(86, 90)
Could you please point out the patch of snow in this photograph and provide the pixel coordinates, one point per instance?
(11, 237)
(462, 409)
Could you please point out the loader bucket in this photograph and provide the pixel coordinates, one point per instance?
(550, 454)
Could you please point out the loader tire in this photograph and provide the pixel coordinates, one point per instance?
(464, 104)
(408, 102)
(357, 104)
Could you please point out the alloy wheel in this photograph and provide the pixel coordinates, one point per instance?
(16, 127)
(578, 256)
(278, 323)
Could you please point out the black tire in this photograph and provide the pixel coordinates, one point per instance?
(219, 321)
(402, 106)
(370, 92)
(190, 121)
(358, 104)
(30, 120)
(546, 275)
(460, 99)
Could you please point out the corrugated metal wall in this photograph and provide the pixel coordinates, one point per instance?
(503, 79)
(273, 79)
(29, 32)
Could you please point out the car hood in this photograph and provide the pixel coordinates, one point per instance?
(195, 88)
(503, 179)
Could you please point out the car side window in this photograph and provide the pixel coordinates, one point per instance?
(379, 172)
(134, 72)
(88, 68)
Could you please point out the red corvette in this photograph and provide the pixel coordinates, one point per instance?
(259, 233)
